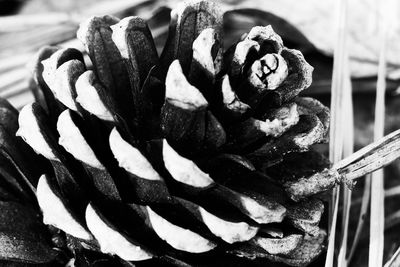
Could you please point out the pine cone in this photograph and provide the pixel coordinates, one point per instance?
(190, 158)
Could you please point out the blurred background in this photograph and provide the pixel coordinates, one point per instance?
(309, 25)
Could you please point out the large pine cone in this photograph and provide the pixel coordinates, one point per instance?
(188, 158)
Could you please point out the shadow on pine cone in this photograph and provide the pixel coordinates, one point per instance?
(190, 158)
